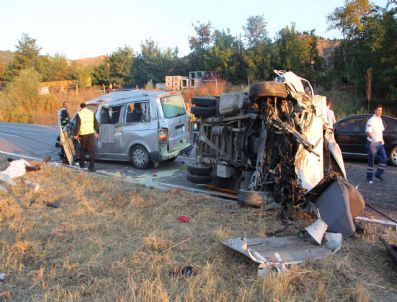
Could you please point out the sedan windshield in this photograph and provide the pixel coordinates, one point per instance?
(173, 106)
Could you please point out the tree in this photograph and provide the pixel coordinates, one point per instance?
(153, 63)
(21, 97)
(54, 68)
(296, 51)
(226, 56)
(120, 63)
(255, 30)
(26, 56)
(200, 45)
(258, 55)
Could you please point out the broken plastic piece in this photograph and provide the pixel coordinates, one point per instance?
(33, 185)
(317, 230)
(52, 205)
(184, 218)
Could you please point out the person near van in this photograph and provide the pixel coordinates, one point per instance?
(375, 145)
(86, 127)
(63, 120)
(330, 115)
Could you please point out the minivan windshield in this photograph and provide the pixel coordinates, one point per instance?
(173, 106)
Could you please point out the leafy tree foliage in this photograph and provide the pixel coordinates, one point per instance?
(371, 44)
(153, 63)
(26, 56)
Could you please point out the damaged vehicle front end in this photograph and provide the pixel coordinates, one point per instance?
(273, 147)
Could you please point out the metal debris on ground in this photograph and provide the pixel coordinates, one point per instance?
(276, 253)
(391, 248)
(186, 271)
(54, 205)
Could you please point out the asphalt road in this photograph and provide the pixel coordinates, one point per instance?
(37, 141)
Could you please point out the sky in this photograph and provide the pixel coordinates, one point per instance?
(88, 28)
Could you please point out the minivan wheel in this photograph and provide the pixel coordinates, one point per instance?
(204, 101)
(139, 157)
(203, 111)
(393, 156)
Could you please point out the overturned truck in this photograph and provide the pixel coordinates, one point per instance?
(273, 146)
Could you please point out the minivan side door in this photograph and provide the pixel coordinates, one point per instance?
(108, 146)
(140, 126)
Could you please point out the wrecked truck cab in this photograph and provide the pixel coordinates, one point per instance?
(270, 145)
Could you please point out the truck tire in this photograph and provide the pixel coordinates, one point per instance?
(199, 179)
(203, 111)
(199, 170)
(269, 88)
(204, 101)
(252, 198)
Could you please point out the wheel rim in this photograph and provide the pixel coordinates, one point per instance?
(139, 157)
(393, 156)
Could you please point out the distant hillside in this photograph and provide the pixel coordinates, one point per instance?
(90, 61)
(6, 56)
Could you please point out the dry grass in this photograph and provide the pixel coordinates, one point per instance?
(114, 241)
(50, 117)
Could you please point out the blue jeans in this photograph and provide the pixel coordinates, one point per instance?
(381, 154)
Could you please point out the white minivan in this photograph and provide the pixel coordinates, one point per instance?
(140, 126)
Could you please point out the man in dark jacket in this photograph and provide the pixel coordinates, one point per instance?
(86, 127)
(63, 120)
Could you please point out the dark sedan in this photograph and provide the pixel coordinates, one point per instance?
(351, 137)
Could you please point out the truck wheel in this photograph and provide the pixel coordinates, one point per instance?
(199, 179)
(269, 88)
(139, 157)
(199, 170)
(204, 101)
(203, 111)
(252, 198)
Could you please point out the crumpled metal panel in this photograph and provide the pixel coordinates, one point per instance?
(285, 250)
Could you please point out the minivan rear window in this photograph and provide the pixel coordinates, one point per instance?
(173, 106)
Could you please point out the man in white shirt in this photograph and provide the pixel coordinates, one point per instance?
(375, 145)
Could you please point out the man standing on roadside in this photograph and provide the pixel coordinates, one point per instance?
(85, 128)
(375, 145)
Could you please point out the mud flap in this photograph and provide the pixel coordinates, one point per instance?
(339, 202)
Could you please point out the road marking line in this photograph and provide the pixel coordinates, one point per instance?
(21, 156)
(6, 134)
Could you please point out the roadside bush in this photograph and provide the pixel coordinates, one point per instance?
(20, 98)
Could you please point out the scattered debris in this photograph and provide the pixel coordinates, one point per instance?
(16, 168)
(32, 168)
(275, 253)
(339, 202)
(54, 205)
(33, 185)
(2, 276)
(46, 159)
(186, 271)
(184, 218)
(391, 248)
